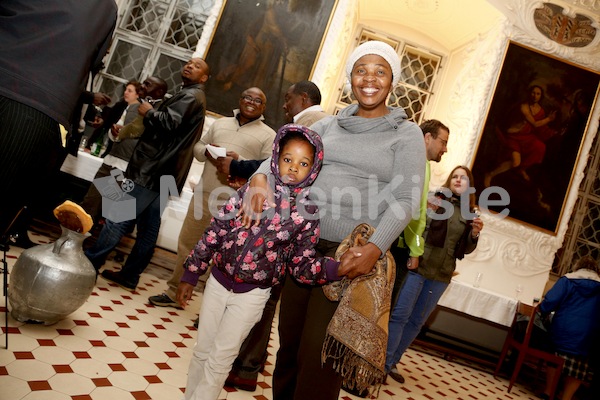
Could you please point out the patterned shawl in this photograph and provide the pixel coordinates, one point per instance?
(358, 332)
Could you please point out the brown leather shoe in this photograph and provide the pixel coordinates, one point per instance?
(395, 375)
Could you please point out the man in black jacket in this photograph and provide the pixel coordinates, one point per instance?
(48, 48)
(121, 148)
(162, 156)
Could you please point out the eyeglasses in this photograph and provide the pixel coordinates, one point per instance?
(444, 142)
(250, 99)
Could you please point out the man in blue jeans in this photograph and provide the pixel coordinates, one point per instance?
(164, 150)
(411, 243)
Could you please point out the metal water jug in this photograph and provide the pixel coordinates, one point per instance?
(50, 281)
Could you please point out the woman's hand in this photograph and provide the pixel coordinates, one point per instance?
(254, 198)
(113, 133)
(476, 227)
(184, 293)
(358, 260)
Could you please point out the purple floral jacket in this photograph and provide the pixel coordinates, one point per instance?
(245, 258)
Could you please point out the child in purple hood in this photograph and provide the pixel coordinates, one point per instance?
(247, 262)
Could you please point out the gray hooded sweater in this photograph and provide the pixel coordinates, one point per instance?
(372, 172)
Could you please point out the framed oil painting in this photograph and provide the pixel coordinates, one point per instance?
(533, 133)
(269, 44)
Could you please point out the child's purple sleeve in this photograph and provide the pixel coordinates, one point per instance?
(197, 261)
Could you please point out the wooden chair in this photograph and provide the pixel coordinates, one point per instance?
(524, 350)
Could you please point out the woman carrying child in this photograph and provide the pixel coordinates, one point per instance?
(373, 173)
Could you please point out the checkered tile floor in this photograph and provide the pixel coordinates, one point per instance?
(118, 346)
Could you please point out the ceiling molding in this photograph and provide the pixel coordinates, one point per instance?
(450, 23)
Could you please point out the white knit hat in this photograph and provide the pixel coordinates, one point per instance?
(381, 49)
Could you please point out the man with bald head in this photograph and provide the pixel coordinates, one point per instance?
(165, 150)
(123, 144)
(303, 104)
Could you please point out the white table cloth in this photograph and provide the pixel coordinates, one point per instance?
(479, 302)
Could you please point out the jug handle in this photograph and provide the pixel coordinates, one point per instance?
(59, 243)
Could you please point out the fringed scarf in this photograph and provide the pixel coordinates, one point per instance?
(357, 334)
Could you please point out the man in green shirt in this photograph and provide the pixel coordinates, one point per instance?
(411, 244)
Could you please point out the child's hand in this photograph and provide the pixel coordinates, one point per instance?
(184, 293)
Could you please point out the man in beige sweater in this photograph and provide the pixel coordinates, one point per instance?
(302, 106)
(248, 137)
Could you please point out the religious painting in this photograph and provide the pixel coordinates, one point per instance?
(532, 135)
(269, 44)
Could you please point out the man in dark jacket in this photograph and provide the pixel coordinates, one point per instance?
(48, 49)
(163, 154)
(122, 148)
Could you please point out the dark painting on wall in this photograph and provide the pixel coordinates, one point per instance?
(269, 44)
(533, 132)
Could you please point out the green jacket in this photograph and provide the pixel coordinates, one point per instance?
(412, 236)
(438, 263)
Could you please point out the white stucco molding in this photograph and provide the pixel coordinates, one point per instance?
(209, 27)
(332, 56)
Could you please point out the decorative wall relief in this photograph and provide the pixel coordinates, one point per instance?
(333, 54)
(522, 15)
(576, 31)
